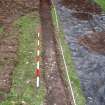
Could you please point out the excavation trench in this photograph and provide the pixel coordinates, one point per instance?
(88, 55)
(56, 90)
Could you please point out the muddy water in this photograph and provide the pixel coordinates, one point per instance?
(90, 66)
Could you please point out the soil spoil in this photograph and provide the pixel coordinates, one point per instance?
(94, 42)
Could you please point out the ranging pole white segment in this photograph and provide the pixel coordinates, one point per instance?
(38, 64)
(64, 57)
(38, 52)
(37, 84)
(38, 34)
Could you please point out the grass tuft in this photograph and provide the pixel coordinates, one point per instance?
(101, 3)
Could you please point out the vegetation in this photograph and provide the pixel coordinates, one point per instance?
(101, 3)
(24, 91)
(1, 29)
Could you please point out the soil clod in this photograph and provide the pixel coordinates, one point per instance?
(94, 42)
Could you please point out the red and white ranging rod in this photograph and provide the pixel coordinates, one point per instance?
(38, 63)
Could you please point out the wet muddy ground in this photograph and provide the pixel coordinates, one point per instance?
(94, 42)
(85, 36)
(10, 10)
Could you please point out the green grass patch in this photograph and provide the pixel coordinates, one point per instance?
(101, 3)
(24, 88)
(80, 99)
(1, 29)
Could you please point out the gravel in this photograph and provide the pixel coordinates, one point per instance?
(90, 66)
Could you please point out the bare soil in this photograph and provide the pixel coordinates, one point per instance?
(10, 10)
(56, 90)
(94, 42)
(82, 16)
(82, 5)
(8, 59)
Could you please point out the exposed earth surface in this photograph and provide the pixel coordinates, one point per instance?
(57, 92)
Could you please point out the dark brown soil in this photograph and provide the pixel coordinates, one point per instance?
(94, 42)
(10, 10)
(56, 92)
(82, 5)
(83, 16)
(8, 59)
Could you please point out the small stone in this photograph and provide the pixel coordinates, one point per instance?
(30, 52)
(27, 62)
(9, 47)
(23, 102)
(90, 98)
(50, 88)
(28, 81)
(52, 77)
(13, 103)
(48, 76)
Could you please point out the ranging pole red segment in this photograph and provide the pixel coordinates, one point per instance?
(37, 73)
(39, 29)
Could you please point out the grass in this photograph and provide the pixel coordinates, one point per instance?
(80, 99)
(1, 29)
(101, 3)
(24, 89)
